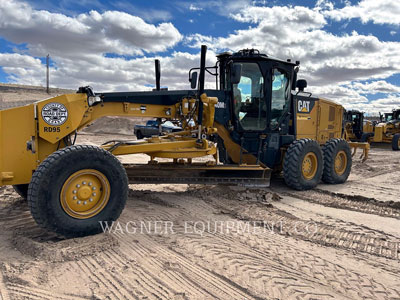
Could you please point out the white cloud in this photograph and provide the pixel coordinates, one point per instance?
(298, 16)
(334, 65)
(386, 104)
(92, 33)
(329, 62)
(379, 12)
(195, 8)
(380, 86)
(221, 7)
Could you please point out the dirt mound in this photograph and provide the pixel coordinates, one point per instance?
(114, 125)
(49, 247)
(12, 95)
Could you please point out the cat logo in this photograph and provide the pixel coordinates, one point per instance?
(304, 106)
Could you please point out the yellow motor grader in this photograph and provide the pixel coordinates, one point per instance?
(257, 119)
(388, 130)
(385, 131)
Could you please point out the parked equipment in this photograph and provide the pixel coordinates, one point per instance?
(155, 127)
(254, 120)
(357, 129)
(386, 131)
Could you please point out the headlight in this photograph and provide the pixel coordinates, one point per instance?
(93, 99)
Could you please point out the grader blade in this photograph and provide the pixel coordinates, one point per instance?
(249, 175)
(365, 148)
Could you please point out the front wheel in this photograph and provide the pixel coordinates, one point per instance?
(77, 190)
(303, 164)
(139, 135)
(396, 142)
(337, 161)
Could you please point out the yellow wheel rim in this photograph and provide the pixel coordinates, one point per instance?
(309, 166)
(340, 162)
(85, 194)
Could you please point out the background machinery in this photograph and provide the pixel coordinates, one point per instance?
(385, 131)
(388, 130)
(254, 121)
(356, 128)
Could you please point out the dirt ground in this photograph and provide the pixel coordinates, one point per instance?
(217, 242)
(214, 242)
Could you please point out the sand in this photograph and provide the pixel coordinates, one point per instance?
(333, 242)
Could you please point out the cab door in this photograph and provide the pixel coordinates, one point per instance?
(279, 101)
(249, 103)
(249, 107)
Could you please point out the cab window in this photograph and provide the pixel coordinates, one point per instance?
(248, 98)
(280, 98)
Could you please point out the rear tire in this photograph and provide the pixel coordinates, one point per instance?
(396, 142)
(303, 164)
(366, 137)
(63, 197)
(21, 189)
(337, 161)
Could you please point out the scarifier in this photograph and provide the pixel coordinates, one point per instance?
(254, 122)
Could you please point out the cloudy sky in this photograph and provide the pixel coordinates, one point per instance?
(349, 50)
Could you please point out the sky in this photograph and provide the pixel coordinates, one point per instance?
(349, 51)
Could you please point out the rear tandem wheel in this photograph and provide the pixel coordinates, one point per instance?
(337, 161)
(303, 164)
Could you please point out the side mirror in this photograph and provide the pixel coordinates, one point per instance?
(236, 73)
(301, 84)
(193, 80)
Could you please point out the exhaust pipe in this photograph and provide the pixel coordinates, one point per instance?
(158, 74)
(201, 87)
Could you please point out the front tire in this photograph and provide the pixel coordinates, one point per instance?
(396, 142)
(303, 164)
(77, 189)
(139, 135)
(337, 161)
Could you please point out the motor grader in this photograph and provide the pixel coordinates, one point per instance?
(356, 128)
(385, 131)
(254, 122)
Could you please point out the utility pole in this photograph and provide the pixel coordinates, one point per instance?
(47, 73)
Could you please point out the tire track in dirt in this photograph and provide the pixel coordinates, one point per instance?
(195, 281)
(139, 280)
(349, 202)
(207, 251)
(217, 266)
(361, 239)
(4, 295)
(243, 265)
(23, 292)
